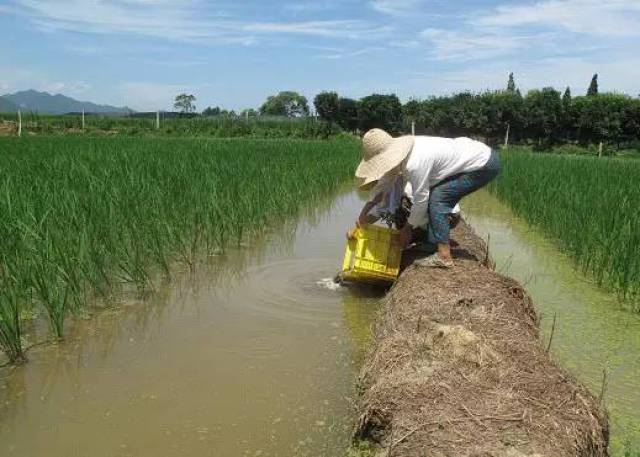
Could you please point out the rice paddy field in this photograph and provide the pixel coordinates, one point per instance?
(85, 218)
(588, 206)
(171, 125)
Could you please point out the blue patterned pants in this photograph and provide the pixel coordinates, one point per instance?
(447, 193)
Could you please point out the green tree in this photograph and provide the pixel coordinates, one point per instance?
(602, 118)
(381, 111)
(511, 85)
(566, 98)
(411, 109)
(631, 126)
(593, 87)
(248, 113)
(502, 111)
(288, 103)
(411, 112)
(211, 111)
(184, 103)
(327, 106)
(543, 115)
(348, 114)
(568, 118)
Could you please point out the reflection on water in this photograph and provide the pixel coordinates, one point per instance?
(593, 330)
(250, 355)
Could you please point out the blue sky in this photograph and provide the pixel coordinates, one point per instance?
(141, 53)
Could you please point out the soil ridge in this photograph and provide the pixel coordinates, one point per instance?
(457, 368)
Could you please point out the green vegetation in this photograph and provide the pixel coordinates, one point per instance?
(144, 124)
(589, 206)
(83, 218)
(542, 118)
(288, 104)
(630, 152)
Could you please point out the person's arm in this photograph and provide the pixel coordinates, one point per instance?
(421, 184)
(420, 179)
(365, 217)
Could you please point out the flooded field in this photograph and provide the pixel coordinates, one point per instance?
(254, 355)
(257, 353)
(594, 332)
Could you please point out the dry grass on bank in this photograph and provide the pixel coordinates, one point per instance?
(458, 370)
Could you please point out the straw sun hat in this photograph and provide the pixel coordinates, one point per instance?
(381, 154)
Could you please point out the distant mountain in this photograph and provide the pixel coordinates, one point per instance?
(45, 103)
(7, 107)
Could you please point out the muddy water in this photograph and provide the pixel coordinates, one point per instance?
(254, 355)
(593, 331)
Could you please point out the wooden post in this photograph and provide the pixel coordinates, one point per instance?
(157, 120)
(413, 128)
(82, 120)
(600, 147)
(506, 136)
(19, 123)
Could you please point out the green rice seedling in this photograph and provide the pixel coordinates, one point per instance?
(54, 292)
(10, 313)
(589, 206)
(95, 214)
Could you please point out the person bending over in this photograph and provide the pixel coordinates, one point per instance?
(440, 172)
(394, 208)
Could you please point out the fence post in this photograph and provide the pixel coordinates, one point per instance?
(19, 123)
(413, 128)
(157, 120)
(82, 120)
(600, 149)
(506, 136)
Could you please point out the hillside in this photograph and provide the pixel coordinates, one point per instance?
(7, 106)
(43, 102)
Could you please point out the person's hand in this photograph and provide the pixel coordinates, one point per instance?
(352, 234)
(405, 236)
(362, 221)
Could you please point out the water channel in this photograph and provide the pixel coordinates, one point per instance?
(254, 355)
(257, 354)
(594, 331)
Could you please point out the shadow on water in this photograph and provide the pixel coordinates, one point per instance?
(255, 353)
(594, 332)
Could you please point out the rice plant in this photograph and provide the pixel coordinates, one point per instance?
(589, 206)
(83, 218)
(200, 126)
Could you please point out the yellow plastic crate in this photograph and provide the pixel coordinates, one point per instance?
(373, 256)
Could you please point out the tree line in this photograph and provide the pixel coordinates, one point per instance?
(544, 117)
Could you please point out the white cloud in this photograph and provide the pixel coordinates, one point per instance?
(70, 88)
(335, 29)
(479, 44)
(616, 73)
(152, 96)
(544, 28)
(14, 79)
(180, 20)
(593, 17)
(397, 7)
(351, 54)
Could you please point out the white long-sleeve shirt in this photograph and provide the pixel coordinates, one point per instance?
(434, 159)
(392, 196)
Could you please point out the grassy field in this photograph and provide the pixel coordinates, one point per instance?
(628, 151)
(81, 216)
(214, 126)
(588, 205)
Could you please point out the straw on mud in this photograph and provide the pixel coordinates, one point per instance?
(553, 330)
(475, 369)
